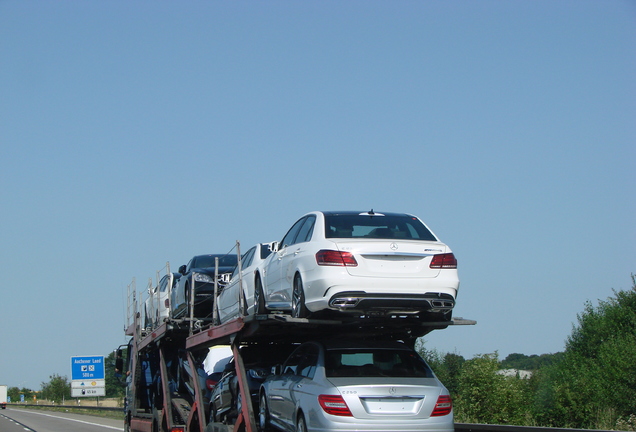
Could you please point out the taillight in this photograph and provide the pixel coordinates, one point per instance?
(443, 407)
(445, 261)
(335, 258)
(210, 383)
(334, 405)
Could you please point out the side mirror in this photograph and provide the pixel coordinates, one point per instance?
(277, 370)
(182, 269)
(274, 246)
(225, 278)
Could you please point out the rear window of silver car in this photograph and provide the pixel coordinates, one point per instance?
(375, 363)
(377, 227)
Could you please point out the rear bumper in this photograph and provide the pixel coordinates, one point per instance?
(344, 293)
(328, 423)
(359, 301)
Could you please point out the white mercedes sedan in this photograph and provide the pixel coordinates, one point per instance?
(362, 263)
(231, 302)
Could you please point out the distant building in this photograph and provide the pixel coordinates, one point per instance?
(523, 374)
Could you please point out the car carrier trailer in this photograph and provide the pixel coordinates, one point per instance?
(165, 389)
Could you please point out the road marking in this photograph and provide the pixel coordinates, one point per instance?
(26, 428)
(75, 420)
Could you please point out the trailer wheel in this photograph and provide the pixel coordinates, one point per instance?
(259, 297)
(299, 310)
(263, 414)
(127, 422)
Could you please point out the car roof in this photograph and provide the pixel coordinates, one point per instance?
(363, 213)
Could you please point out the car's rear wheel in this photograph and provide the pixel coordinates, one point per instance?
(217, 316)
(299, 310)
(263, 414)
(214, 417)
(186, 296)
(146, 320)
(243, 305)
(259, 297)
(301, 425)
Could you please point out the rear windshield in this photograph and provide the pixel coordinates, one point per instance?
(375, 363)
(378, 227)
(208, 261)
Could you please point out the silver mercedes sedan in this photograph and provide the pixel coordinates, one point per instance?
(354, 386)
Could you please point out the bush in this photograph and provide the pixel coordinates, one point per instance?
(594, 384)
(486, 397)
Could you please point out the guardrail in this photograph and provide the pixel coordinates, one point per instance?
(80, 407)
(469, 427)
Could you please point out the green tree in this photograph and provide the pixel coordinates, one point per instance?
(532, 362)
(28, 394)
(446, 366)
(594, 384)
(57, 389)
(484, 396)
(115, 380)
(14, 394)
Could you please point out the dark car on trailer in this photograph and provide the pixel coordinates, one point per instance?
(200, 273)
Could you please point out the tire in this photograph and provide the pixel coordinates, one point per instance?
(299, 310)
(259, 297)
(127, 423)
(186, 302)
(243, 305)
(301, 425)
(147, 323)
(213, 414)
(218, 316)
(263, 414)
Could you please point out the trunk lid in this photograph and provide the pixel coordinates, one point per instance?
(392, 258)
(389, 397)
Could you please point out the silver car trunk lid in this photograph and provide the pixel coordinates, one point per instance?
(389, 397)
(392, 258)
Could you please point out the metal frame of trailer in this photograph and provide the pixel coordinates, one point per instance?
(280, 328)
(175, 344)
(154, 406)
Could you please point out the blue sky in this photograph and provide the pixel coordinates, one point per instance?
(136, 133)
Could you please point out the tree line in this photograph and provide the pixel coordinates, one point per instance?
(591, 385)
(58, 389)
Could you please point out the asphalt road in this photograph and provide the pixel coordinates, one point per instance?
(20, 420)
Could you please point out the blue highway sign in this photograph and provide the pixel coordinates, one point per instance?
(87, 368)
